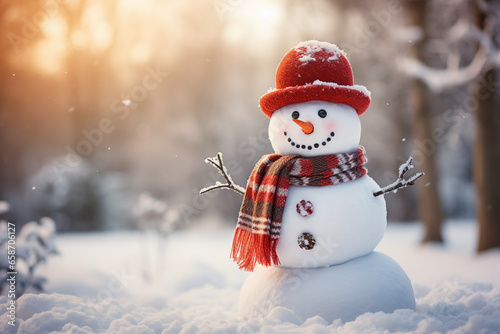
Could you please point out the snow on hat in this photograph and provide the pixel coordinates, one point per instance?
(315, 70)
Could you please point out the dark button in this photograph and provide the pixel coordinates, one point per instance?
(306, 241)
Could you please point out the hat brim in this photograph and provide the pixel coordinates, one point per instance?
(349, 95)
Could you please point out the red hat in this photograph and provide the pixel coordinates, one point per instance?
(311, 71)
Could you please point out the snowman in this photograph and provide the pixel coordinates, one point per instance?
(311, 217)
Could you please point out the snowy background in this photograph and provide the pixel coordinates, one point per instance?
(98, 284)
(108, 110)
(102, 102)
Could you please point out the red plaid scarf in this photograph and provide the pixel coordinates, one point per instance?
(259, 221)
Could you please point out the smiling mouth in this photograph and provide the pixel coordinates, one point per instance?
(310, 147)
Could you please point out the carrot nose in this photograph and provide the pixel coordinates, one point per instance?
(307, 127)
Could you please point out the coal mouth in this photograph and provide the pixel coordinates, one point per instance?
(309, 147)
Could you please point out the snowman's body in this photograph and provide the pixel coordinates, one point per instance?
(328, 233)
(347, 222)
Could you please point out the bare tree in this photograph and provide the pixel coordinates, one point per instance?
(481, 74)
(487, 166)
(429, 202)
(13, 44)
(487, 143)
(87, 70)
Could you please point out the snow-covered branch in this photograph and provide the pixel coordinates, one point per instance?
(486, 57)
(35, 242)
(409, 33)
(218, 163)
(440, 79)
(400, 182)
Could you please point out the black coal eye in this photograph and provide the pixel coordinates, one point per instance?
(295, 114)
(322, 113)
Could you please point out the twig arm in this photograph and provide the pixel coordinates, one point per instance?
(400, 182)
(218, 163)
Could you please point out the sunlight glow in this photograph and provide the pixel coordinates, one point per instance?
(253, 21)
(132, 29)
(97, 28)
(51, 51)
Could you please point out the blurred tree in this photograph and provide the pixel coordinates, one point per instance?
(218, 66)
(16, 31)
(88, 63)
(28, 27)
(481, 75)
(487, 164)
(429, 202)
(487, 144)
(4, 81)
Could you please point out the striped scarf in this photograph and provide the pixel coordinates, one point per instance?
(259, 221)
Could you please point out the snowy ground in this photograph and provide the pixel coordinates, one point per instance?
(100, 283)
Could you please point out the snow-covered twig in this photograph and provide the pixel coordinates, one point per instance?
(400, 182)
(440, 79)
(34, 244)
(486, 57)
(218, 163)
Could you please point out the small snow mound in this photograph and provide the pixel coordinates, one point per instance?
(431, 325)
(282, 314)
(4, 207)
(194, 277)
(271, 89)
(306, 58)
(362, 89)
(316, 320)
(309, 48)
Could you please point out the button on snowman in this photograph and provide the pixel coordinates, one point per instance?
(310, 218)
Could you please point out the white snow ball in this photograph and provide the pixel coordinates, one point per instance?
(373, 283)
(336, 128)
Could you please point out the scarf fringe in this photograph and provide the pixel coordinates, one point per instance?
(249, 249)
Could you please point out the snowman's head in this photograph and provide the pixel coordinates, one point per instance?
(315, 128)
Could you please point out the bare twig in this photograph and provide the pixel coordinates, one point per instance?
(400, 182)
(218, 163)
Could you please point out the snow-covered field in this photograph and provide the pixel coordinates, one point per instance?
(101, 283)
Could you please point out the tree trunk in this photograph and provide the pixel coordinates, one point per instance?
(487, 160)
(429, 203)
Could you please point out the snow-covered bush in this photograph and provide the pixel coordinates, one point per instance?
(154, 214)
(4, 207)
(33, 244)
(71, 198)
(81, 198)
(157, 220)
